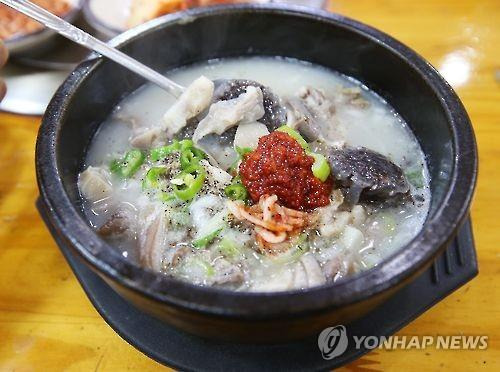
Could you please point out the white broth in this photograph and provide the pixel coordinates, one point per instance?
(207, 240)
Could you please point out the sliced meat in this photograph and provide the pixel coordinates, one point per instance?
(174, 255)
(120, 223)
(367, 175)
(95, 184)
(318, 104)
(145, 138)
(334, 225)
(248, 134)
(274, 115)
(152, 243)
(333, 222)
(304, 273)
(223, 115)
(219, 177)
(338, 267)
(299, 118)
(226, 273)
(204, 208)
(195, 99)
(313, 271)
(311, 113)
(358, 215)
(300, 277)
(352, 96)
(352, 238)
(156, 240)
(281, 281)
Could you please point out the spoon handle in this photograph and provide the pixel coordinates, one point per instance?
(75, 34)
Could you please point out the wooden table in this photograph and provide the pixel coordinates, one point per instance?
(48, 324)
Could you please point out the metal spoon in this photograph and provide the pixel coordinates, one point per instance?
(225, 88)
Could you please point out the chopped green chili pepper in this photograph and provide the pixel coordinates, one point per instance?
(228, 247)
(152, 178)
(242, 151)
(209, 270)
(302, 242)
(204, 241)
(320, 167)
(232, 168)
(192, 179)
(188, 158)
(126, 167)
(299, 246)
(186, 143)
(295, 135)
(236, 192)
(179, 218)
(189, 144)
(161, 153)
(190, 155)
(167, 197)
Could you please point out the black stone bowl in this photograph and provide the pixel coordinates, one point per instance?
(409, 83)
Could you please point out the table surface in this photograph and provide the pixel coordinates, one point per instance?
(47, 322)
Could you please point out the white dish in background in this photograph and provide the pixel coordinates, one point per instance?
(110, 17)
(29, 90)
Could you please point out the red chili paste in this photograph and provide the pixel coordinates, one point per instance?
(279, 165)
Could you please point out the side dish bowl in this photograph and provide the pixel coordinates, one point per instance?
(41, 40)
(409, 83)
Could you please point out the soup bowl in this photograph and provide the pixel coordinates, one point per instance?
(403, 78)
